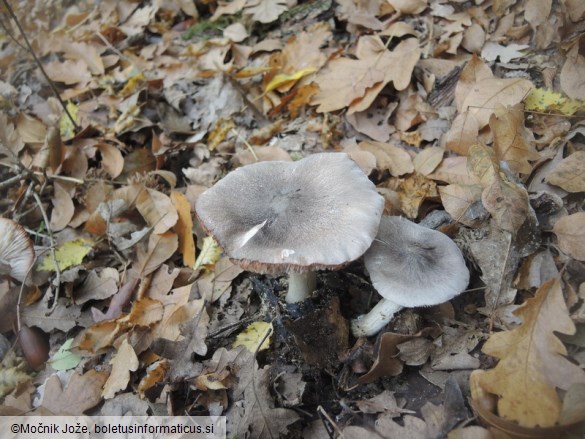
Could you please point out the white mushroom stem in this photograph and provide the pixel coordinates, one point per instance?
(300, 286)
(372, 322)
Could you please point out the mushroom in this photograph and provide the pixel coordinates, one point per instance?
(16, 250)
(410, 266)
(321, 212)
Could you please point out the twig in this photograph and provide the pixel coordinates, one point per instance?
(268, 333)
(245, 142)
(52, 249)
(332, 426)
(12, 180)
(38, 62)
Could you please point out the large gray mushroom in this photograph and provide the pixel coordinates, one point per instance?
(320, 212)
(410, 266)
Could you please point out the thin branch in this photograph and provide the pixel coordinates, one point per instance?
(52, 249)
(38, 62)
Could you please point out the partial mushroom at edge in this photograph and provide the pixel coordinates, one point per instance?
(16, 250)
(321, 212)
(410, 266)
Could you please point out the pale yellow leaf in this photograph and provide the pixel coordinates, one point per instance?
(255, 334)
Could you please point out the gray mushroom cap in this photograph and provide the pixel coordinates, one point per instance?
(412, 266)
(16, 249)
(316, 213)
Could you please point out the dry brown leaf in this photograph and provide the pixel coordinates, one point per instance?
(265, 11)
(483, 97)
(85, 52)
(81, 393)
(169, 327)
(426, 161)
(506, 201)
(570, 231)
(454, 170)
(532, 361)
(386, 362)
(576, 9)
(63, 208)
(409, 6)
(145, 312)
(356, 82)
(512, 141)
(97, 286)
(157, 210)
(473, 72)
(123, 362)
(573, 73)
(390, 157)
(413, 191)
(184, 228)
(460, 202)
(569, 174)
(478, 92)
(536, 12)
(214, 284)
(112, 160)
(98, 336)
(160, 248)
(462, 134)
(155, 374)
(68, 72)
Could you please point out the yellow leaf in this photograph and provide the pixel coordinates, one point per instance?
(532, 361)
(68, 254)
(283, 78)
(66, 127)
(541, 99)
(209, 255)
(253, 335)
(133, 84)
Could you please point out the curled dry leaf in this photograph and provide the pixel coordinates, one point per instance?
(157, 209)
(532, 361)
(112, 160)
(570, 231)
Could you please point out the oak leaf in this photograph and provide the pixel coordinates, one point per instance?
(572, 74)
(265, 11)
(532, 361)
(355, 83)
(389, 157)
(81, 393)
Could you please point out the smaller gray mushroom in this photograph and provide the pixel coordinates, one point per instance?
(321, 212)
(410, 266)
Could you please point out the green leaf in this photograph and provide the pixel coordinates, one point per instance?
(64, 359)
(68, 254)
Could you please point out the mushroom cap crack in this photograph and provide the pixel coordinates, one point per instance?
(317, 213)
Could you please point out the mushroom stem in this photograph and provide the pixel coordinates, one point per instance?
(372, 322)
(300, 286)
